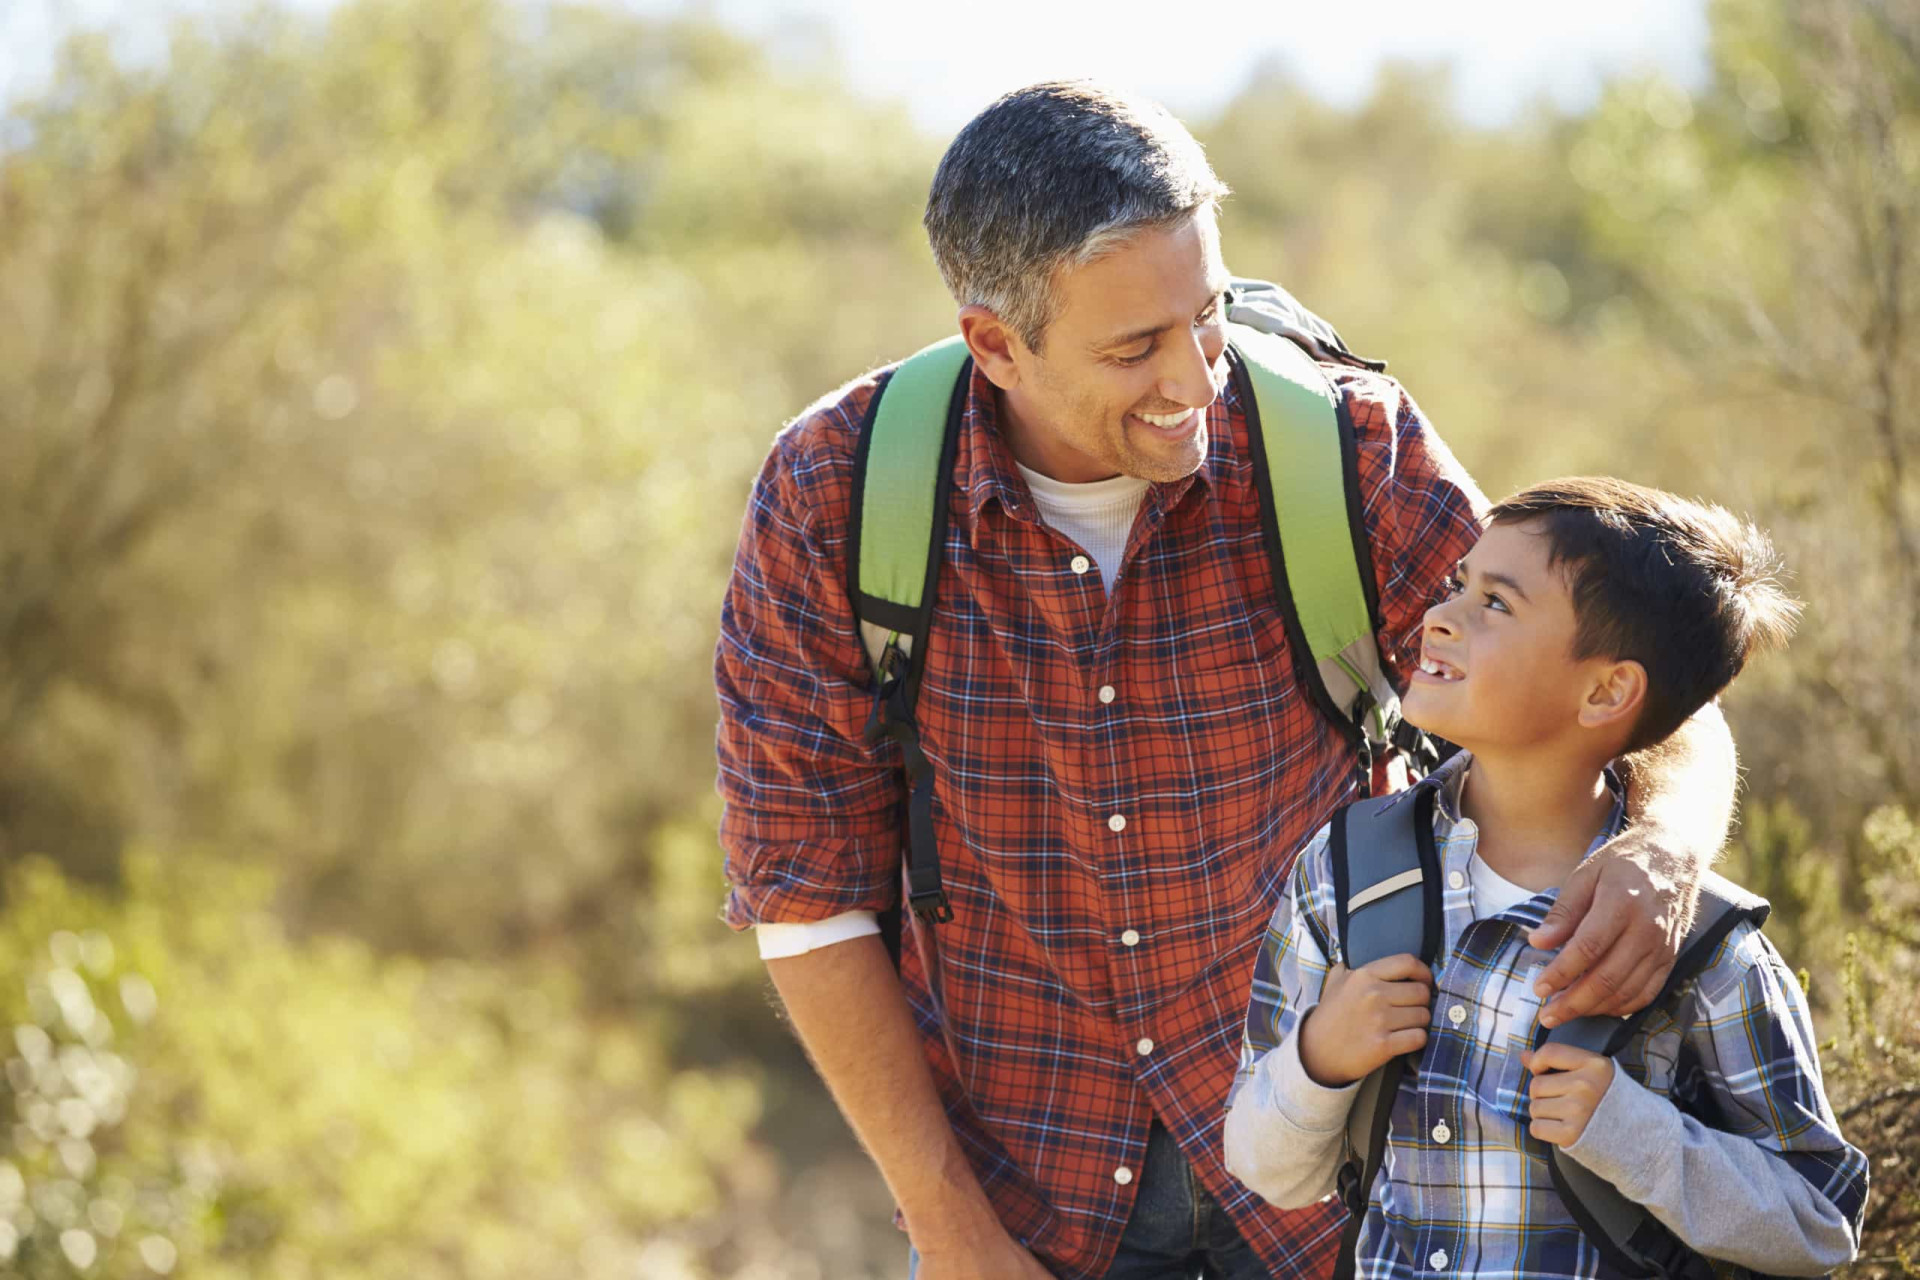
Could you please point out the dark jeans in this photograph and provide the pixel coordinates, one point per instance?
(1176, 1231)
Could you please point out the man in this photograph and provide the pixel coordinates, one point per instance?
(1124, 756)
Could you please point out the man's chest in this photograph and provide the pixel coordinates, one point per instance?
(1154, 742)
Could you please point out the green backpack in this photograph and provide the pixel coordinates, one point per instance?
(1305, 466)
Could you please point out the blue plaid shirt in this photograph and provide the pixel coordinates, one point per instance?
(1464, 1188)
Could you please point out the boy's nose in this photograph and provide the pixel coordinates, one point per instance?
(1439, 620)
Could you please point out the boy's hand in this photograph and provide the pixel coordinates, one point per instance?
(1366, 1017)
(1567, 1085)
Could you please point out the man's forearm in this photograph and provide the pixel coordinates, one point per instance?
(847, 1004)
(1684, 788)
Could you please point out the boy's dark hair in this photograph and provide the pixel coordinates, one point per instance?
(1686, 589)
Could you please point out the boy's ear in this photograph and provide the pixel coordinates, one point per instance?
(992, 343)
(1614, 699)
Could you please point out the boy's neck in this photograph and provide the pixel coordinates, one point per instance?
(1538, 814)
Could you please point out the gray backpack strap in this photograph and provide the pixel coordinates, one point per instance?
(1386, 901)
(1264, 305)
(1630, 1238)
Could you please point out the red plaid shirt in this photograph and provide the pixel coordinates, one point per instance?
(1111, 864)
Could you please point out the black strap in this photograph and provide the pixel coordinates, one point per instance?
(1356, 1178)
(892, 717)
(897, 688)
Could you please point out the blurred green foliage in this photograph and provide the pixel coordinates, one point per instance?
(380, 395)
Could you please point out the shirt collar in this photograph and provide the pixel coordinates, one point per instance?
(1451, 779)
(986, 463)
(1456, 853)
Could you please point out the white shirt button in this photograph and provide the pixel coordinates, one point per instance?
(1106, 693)
(1123, 1175)
(1080, 564)
(1117, 823)
(1131, 938)
(1457, 1014)
(1437, 1259)
(1441, 1133)
(1145, 1047)
(1457, 880)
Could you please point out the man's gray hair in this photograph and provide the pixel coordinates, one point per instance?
(1057, 174)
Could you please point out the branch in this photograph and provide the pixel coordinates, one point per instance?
(1885, 1095)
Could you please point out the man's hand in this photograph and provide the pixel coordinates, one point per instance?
(1620, 920)
(994, 1256)
(1366, 1017)
(1567, 1086)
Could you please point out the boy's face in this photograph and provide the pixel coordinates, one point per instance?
(1497, 669)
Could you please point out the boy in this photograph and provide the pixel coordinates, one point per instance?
(1591, 619)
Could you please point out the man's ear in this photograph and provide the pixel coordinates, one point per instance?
(993, 344)
(1614, 699)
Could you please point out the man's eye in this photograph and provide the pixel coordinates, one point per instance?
(1136, 359)
(1210, 315)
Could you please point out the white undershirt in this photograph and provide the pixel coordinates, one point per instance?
(1492, 892)
(1099, 516)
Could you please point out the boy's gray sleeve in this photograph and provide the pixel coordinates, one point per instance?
(1776, 1188)
(1285, 1133)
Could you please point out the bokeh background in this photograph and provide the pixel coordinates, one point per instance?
(380, 385)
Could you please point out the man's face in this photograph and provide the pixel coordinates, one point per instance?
(1129, 364)
(1497, 669)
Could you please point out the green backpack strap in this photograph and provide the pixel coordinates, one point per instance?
(1306, 467)
(903, 474)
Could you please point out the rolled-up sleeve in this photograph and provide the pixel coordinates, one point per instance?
(811, 827)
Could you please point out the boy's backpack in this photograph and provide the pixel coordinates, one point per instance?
(1387, 901)
(1305, 465)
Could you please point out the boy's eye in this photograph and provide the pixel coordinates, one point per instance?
(1495, 602)
(1454, 585)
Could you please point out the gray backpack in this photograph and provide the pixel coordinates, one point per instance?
(1387, 901)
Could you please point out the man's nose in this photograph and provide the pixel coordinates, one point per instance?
(1189, 380)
